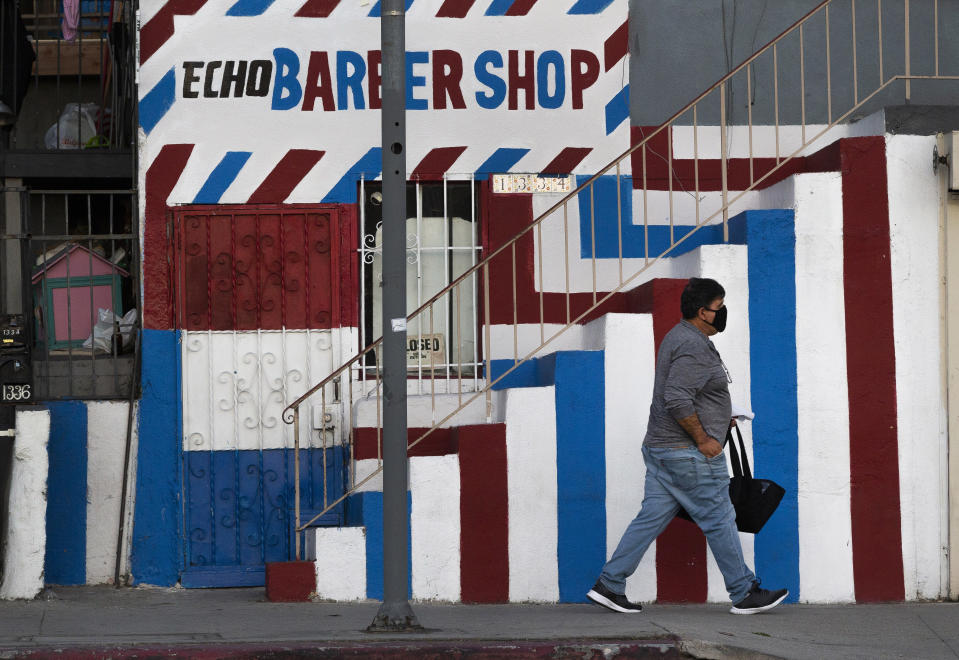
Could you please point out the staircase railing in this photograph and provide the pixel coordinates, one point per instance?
(866, 76)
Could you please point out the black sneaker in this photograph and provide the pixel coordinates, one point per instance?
(601, 595)
(759, 600)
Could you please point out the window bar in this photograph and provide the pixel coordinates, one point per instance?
(515, 314)
(433, 372)
(566, 255)
(488, 351)
(908, 55)
(645, 215)
(619, 223)
(802, 84)
(418, 252)
(114, 274)
(94, 312)
(592, 236)
(828, 72)
(723, 156)
(776, 97)
(459, 346)
(696, 157)
(855, 60)
(749, 117)
(447, 279)
(66, 209)
(363, 264)
(475, 299)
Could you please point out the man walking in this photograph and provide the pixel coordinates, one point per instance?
(685, 464)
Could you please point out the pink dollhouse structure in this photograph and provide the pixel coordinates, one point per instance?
(68, 289)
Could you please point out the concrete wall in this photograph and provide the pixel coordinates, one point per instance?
(681, 48)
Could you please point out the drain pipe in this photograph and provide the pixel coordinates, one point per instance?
(134, 379)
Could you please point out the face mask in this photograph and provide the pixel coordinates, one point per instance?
(719, 321)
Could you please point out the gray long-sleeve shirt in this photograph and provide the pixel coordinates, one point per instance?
(690, 378)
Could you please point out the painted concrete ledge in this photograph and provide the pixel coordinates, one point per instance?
(659, 648)
(24, 545)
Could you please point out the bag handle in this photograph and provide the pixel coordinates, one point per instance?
(739, 459)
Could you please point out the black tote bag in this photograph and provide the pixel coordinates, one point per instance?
(755, 500)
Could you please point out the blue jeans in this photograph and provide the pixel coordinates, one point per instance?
(683, 477)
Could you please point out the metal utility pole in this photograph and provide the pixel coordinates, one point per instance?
(395, 612)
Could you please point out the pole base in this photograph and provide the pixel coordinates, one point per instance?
(395, 617)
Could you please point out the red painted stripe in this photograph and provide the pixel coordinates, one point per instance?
(317, 8)
(871, 373)
(710, 169)
(287, 174)
(566, 160)
(159, 29)
(438, 443)
(455, 8)
(520, 7)
(616, 46)
(437, 163)
(681, 549)
(161, 177)
(484, 514)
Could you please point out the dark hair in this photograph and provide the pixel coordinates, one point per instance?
(699, 292)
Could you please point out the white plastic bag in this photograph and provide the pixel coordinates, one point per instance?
(77, 126)
(101, 339)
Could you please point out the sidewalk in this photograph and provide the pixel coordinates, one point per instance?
(95, 622)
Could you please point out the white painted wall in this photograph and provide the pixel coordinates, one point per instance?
(629, 368)
(25, 542)
(922, 425)
(340, 562)
(532, 493)
(106, 442)
(825, 521)
(435, 527)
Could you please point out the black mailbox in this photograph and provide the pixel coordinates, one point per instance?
(16, 374)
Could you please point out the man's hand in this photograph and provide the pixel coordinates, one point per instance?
(710, 447)
(706, 444)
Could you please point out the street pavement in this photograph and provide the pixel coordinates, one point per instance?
(99, 622)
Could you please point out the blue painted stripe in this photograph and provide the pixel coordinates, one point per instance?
(345, 190)
(221, 177)
(375, 11)
(155, 103)
(366, 510)
(580, 470)
(502, 160)
(238, 513)
(771, 238)
(617, 110)
(589, 6)
(499, 7)
(249, 7)
(156, 553)
(66, 551)
(633, 236)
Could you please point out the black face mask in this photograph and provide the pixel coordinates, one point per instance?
(719, 321)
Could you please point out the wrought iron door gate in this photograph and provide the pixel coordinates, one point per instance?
(258, 308)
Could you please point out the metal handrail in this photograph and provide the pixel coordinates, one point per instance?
(482, 268)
